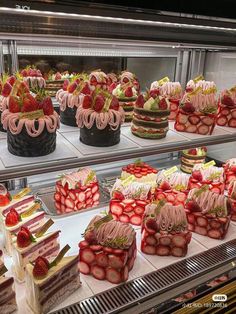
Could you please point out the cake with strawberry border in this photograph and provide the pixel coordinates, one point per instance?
(172, 90)
(191, 157)
(208, 174)
(226, 115)
(33, 78)
(70, 97)
(31, 123)
(232, 198)
(230, 171)
(100, 119)
(50, 282)
(108, 250)
(7, 292)
(150, 119)
(198, 109)
(76, 191)
(208, 213)
(165, 230)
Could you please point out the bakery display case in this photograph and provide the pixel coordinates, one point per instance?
(87, 188)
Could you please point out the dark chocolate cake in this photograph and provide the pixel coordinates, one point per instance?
(67, 116)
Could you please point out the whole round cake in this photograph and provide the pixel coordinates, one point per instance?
(99, 119)
(33, 78)
(150, 118)
(191, 157)
(31, 124)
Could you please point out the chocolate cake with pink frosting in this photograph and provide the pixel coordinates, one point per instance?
(99, 119)
(31, 125)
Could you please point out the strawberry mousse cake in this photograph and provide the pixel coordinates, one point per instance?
(70, 97)
(99, 119)
(32, 219)
(208, 213)
(150, 119)
(98, 79)
(127, 95)
(198, 109)
(232, 198)
(31, 124)
(165, 230)
(128, 200)
(191, 157)
(7, 294)
(108, 250)
(227, 108)
(230, 171)
(212, 176)
(48, 283)
(171, 90)
(29, 246)
(76, 190)
(33, 78)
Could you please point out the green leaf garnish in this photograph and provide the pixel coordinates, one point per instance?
(204, 188)
(116, 242)
(3, 270)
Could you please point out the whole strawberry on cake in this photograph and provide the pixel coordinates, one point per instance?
(208, 213)
(198, 108)
(227, 108)
(98, 79)
(165, 230)
(129, 77)
(108, 250)
(99, 119)
(30, 122)
(70, 97)
(172, 90)
(112, 81)
(191, 157)
(6, 84)
(150, 119)
(33, 78)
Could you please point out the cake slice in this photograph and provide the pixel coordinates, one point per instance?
(48, 284)
(7, 293)
(32, 219)
(191, 157)
(29, 246)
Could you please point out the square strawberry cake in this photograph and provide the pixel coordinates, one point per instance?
(230, 171)
(227, 108)
(232, 198)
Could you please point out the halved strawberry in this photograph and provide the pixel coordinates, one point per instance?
(117, 195)
(152, 224)
(201, 230)
(124, 218)
(203, 129)
(129, 92)
(135, 220)
(163, 104)
(116, 208)
(113, 275)
(162, 250)
(102, 259)
(232, 123)
(6, 90)
(57, 197)
(165, 186)
(87, 102)
(87, 256)
(165, 240)
(191, 129)
(128, 208)
(193, 119)
(179, 127)
(83, 244)
(84, 268)
(214, 224)
(202, 221)
(140, 101)
(13, 104)
(191, 219)
(141, 203)
(178, 241)
(115, 261)
(139, 210)
(69, 203)
(81, 197)
(96, 197)
(148, 249)
(72, 87)
(214, 233)
(98, 272)
(178, 252)
(150, 240)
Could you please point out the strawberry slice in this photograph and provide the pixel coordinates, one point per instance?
(232, 123)
(83, 244)
(117, 195)
(179, 241)
(135, 220)
(208, 121)
(148, 249)
(181, 197)
(96, 197)
(115, 261)
(96, 247)
(139, 210)
(201, 230)
(116, 208)
(215, 224)
(81, 197)
(113, 276)
(95, 188)
(124, 218)
(125, 273)
(150, 240)
(84, 268)
(87, 256)
(162, 250)
(57, 197)
(128, 202)
(72, 196)
(221, 120)
(180, 127)
(194, 119)
(191, 129)
(203, 129)
(165, 240)
(214, 233)
(202, 221)
(102, 259)
(128, 208)
(98, 272)
(141, 203)
(178, 252)
(69, 203)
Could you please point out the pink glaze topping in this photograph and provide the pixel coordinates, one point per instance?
(67, 99)
(35, 81)
(169, 89)
(134, 190)
(175, 180)
(14, 124)
(81, 177)
(213, 173)
(3, 103)
(88, 117)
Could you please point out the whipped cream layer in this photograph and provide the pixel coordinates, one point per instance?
(175, 180)
(213, 173)
(134, 190)
(13, 123)
(20, 205)
(149, 178)
(88, 117)
(35, 81)
(82, 177)
(168, 89)
(67, 99)
(3, 103)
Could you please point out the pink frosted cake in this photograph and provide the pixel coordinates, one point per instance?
(100, 119)
(198, 108)
(7, 294)
(129, 77)
(128, 200)
(109, 250)
(173, 91)
(232, 197)
(70, 97)
(164, 230)
(33, 78)
(208, 213)
(29, 246)
(212, 176)
(173, 187)
(98, 79)
(77, 190)
(112, 81)
(230, 171)
(227, 108)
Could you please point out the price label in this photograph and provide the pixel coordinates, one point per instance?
(198, 78)
(170, 171)
(164, 80)
(209, 164)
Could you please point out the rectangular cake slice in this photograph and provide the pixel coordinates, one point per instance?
(42, 295)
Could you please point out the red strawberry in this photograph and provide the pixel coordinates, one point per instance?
(24, 73)
(41, 268)
(6, 89)
(47, 106)
(227, 101)
(204, 148)
(117, 195)
(188, 107)
(87, 102)
(165, 186)
(189, 89)
(125, 80)
(112, 86)
(22, 89)
(151, 224)
(90, 237)
(11, 80)
(192, 151)
(128, 92)
(65, 84)
(33, 101)
(196, 174)
(13, 104)
(12, 218)
(193, 206)
(154, 93)
(86, 90)
(58, 76)
(27, 106)
(24, 237)
(72, 87)
(140, 101)
(113, 275)
(99, 103)
(163, 104)
(114, 104)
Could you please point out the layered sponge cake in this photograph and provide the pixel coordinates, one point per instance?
(191, 157)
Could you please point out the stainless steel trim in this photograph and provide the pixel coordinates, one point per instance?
(159, 283)
(1, 59)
